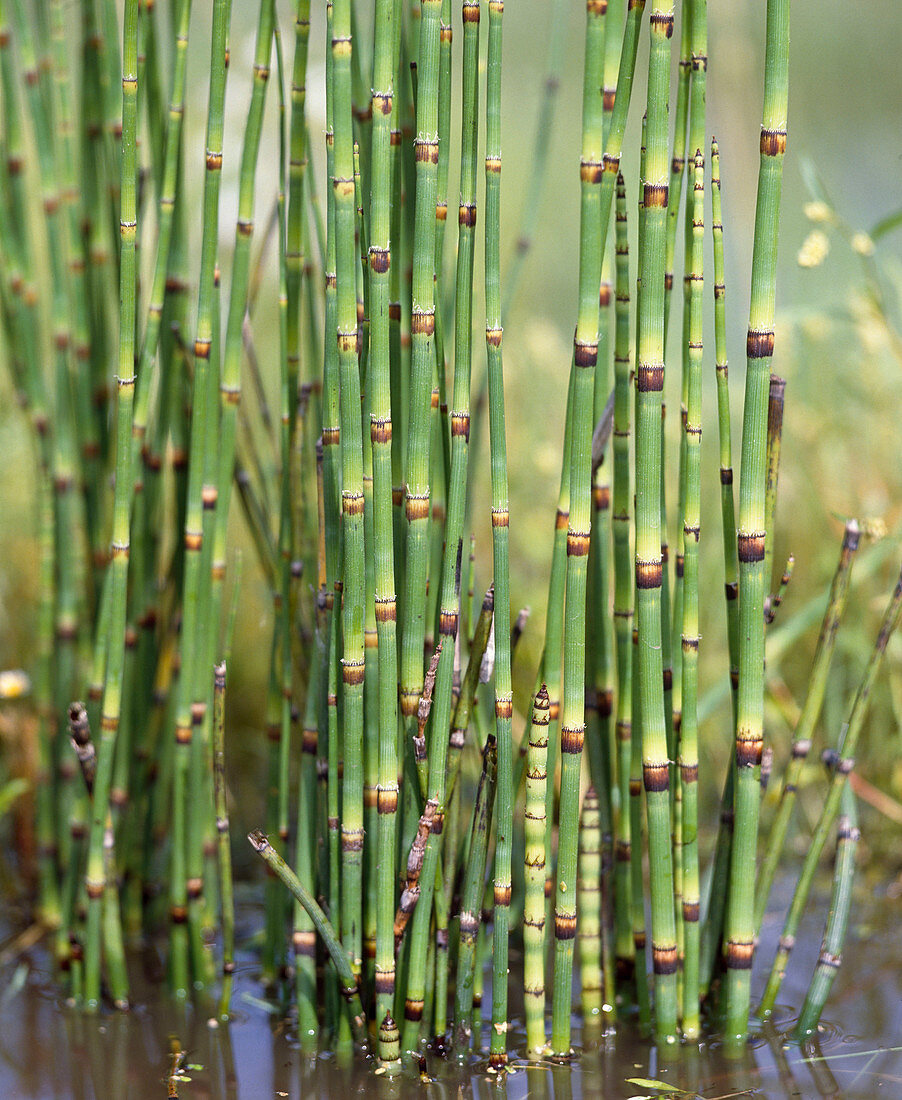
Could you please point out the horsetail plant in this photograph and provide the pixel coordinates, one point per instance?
(504, 815)
(534, 938)
(649, 385)
(840, 761)
(597, 178)
(380, 263)
(97, 866)
(752, 536)
(392, 687)
(837, 922)
(623, 585)
(688, 744)
(353, 591)
(585, 354)
(808, 719)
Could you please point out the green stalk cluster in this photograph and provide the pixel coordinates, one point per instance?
(392, 698)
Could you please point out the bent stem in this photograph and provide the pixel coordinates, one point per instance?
(261, 845)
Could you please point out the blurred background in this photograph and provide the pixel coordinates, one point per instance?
(838, 346)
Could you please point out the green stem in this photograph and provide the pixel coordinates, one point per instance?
(348, 978)
(752, 536)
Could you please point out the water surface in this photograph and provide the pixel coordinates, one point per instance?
(48, 1051)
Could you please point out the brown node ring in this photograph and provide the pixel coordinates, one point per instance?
(572, 739)
(773, 142)
(564, 926)
(748, 750)
(656, 778)
(740, 955)
(664, 959)
(750, 547)
(759, 344)
(649, 573)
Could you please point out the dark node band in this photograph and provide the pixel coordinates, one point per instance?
(380, 429)
(385, 983)
(422, 322)
(466, 213)
(417, 507)
(740, 955)
(502, 894)
(656, 777)
(655, 194)
(380, 260)
(749, 747)
(577, 544)
(564, 926)
(750, 547)
(759, 344)
(585, 353)
(664, 959)
(352, 503)
(773, 143)
(352, 672)
(590, 171)
(447, 624)
(664, 20)
(425, 151)
(650, 377)
(572, 739)
(460, 425)
(504, 708)
(648, 573)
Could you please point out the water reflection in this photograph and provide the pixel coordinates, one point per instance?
(49, 1052)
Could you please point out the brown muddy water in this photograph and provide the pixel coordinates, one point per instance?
(51, 1052)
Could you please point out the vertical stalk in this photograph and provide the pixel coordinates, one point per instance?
(534, 901)
(727, 508)
(470, 928)
(296, 234)
(352, 505)
(740, 917)
(650, 384)
(621, 518)
(189, 709)
(222, 829)
(830, 957)
(422, 342)
(717, 892)
(95, 877)
(598, 175)
(500, 540)
(166, 203)
(422, 327)
(688, 758)
(585, 352)
(230, 384)
(588, 887)
(380, 264)
(775, 401)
